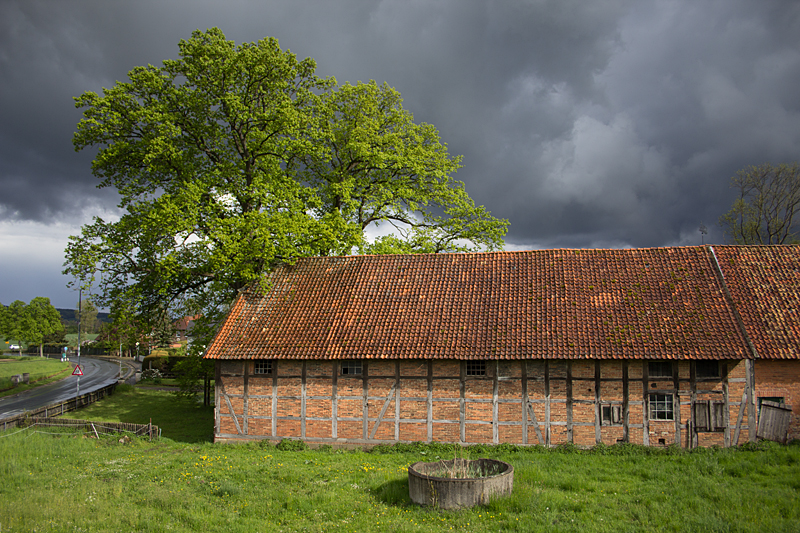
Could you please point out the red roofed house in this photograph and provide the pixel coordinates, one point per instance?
(648, 346)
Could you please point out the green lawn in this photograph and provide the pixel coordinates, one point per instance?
(41, 369)
(181, 484)
(179, 420)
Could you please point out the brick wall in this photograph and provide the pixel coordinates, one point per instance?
(522, 402)
(781, 379)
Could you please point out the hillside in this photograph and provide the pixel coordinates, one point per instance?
(68, 315)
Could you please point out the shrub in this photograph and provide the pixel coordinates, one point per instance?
(292, 445)
(152, 375)
(165, 363)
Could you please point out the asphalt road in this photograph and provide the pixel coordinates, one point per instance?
(97, 373)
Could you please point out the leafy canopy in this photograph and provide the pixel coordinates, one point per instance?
(232, 159)
(765, 211)
(31, 323)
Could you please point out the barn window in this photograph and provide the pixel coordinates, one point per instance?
(661, 407)
(351, 368)
(476, 368)
(659, 369)
(709, 415)
(611, 414)
(707, 369)
(263, 367)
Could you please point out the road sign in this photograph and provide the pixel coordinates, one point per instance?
(77, 371)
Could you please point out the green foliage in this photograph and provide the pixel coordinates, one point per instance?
(292, 445)
(44, 320)
(123, 332)
(151, 375)
(166, 363)
(163, 331)
(31, 323)
(194, 375)
(769, 199)
(232, 159)
(382, 168)
(181, 487)
(17, 322)
(86, 315)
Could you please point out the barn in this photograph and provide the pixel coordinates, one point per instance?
(662, 346)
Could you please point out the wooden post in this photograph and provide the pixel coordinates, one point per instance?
(495, 387)
(430, 400)
(645, 405)
(693, 440)
(364, 400)
(598, 436)
(397, 401)
(569, 401)
(547, 403)
(246, 397)
(462, 406)
(274, 428)
(626, 435)
(334, 401)
(723, 367)
(752, 428)
(525, 404)
(676, 402)
(303, 401)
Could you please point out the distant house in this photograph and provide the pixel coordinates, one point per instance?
(183, 331)
(650, 346)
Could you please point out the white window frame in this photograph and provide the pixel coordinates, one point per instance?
(660, 407)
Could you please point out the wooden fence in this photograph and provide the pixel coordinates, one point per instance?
(105, 428)
(57, 409)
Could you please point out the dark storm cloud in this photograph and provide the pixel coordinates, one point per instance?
(615, 123)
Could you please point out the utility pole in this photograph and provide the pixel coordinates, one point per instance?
(80, 309)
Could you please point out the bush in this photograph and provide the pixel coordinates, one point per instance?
(164, 363)
(152, 375)
(292, 445)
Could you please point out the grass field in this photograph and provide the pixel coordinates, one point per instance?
(67, 483)
(181, 421)
(41, 370)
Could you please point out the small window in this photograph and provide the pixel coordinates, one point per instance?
(351, 368)
(659, 369)
(611, 414)
(709, 415)
(476, 368)
(707, 369)
(661, 407)
(263, 367)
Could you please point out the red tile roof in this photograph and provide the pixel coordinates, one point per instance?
(764, 282)
(659, 303)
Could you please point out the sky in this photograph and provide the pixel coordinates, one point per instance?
(602, 124)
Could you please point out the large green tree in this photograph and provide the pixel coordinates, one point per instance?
(17, 322)
(767, 208)
(86, 316)
(42, 321)
(232, 158)
(4, 324)
(30, 323)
